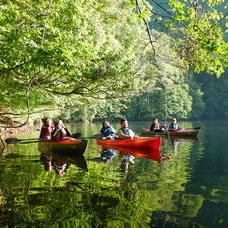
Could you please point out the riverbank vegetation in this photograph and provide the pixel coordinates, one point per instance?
(88, 60)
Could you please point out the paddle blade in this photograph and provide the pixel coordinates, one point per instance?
(12, 140)
(194, 128)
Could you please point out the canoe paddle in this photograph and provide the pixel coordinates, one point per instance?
(25, 141)
(194, 128)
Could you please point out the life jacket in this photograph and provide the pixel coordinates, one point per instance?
(106, 131)
(174, 126)
(125, 131)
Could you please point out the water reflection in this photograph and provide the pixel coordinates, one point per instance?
(59, 157)
(126, 155)
(60, 163)
(126, 161)
(106, 155)
(59, 166)
(184, 187)
(176, 141)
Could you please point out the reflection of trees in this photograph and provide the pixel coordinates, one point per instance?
(167, 183)
(93, 205)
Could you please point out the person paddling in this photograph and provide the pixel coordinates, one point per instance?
(156, 127)
(174, 126)
(107, 131)
(60, 131)
(124, 132)
(46, 130)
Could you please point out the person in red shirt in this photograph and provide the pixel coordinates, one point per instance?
(46, 130)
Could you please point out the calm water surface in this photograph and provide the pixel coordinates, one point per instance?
(188, 188)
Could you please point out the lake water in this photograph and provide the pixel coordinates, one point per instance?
(188, 188)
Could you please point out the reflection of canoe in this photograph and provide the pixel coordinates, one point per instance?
(152, 154)
(137, 143)
(78, 160)
(185, 139)
(66, 146)
(142, 153)
(182, 132)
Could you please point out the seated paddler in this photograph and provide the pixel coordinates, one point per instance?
(174, 126)
(46, 130)
(107, 131)
(157, 127)
(124, 132)
(60, 130)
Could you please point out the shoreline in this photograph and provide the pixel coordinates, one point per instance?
(10, 132)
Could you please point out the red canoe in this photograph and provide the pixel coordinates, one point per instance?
(65, 145)
(137, 143)
(183, 132)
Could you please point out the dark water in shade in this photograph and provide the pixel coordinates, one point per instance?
(189, 188)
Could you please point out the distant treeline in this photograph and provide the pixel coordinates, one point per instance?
(205, 97)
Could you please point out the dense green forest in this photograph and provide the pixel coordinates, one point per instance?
(93, 59)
